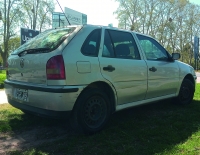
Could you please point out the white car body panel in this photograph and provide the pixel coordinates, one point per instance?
(164, 81)
(90, 71)
(53, 101)
(132, 104)
(34, 70)
(131, 82)
(129, 78)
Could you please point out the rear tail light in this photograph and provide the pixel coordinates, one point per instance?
(55, 68)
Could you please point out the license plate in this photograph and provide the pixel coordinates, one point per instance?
(21, 94)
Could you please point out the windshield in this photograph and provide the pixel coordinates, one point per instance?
(49, 39)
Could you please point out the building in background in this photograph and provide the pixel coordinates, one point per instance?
(74, 17)
(58, 19)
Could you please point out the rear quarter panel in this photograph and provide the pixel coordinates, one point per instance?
(80, 69)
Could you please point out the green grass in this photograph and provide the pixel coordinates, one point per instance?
(2, 78)
(12, 119)
(160, 128)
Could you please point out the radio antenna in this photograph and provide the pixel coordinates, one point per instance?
(63, 12)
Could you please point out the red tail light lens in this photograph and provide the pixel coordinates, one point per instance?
(55, 68)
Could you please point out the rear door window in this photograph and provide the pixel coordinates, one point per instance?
(118, 44)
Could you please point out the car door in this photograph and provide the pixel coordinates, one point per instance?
(163, 72)
(121, 64)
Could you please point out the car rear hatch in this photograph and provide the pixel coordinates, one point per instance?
(28, 63)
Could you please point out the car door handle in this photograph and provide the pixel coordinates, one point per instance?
(152, 69)
(109, 68)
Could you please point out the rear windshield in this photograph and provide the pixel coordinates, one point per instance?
(50, 39)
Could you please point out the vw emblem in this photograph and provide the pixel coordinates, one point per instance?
(22, 63)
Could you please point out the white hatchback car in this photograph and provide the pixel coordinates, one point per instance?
(90, 72)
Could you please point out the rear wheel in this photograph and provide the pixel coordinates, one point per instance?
(91, 111)
(186, 93)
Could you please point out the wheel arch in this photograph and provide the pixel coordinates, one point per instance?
(186, 90)
(190, 77)
(105, 87)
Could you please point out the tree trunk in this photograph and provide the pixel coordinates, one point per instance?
(4, 57)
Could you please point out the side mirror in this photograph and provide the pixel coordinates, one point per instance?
(176, 56)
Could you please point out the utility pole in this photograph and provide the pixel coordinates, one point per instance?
(196, 51)
(63, 13)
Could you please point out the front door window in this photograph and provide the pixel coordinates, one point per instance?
(152, 49)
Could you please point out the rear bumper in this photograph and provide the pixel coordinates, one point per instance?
(60, 89)
(52, 101)
(39, 111)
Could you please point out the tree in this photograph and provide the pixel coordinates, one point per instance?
(16, 13)
(1, 61)
(13, 44)
(10, 17)
(174, 23)
(39, 15)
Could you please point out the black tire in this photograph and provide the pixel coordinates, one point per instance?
(186, 93)
(91, 111)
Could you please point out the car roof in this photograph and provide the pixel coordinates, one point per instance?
(114, 28)
(105, 27)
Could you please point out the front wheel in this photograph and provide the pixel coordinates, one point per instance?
(91, 111)
(186, 93)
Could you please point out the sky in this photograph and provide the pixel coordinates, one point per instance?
(99, 12)
(195, 1)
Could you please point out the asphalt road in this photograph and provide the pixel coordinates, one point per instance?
(3, 98)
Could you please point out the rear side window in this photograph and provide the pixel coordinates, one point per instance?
(91, 45)
(118, 44)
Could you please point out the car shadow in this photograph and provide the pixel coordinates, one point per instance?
(146, 129)
(157, 127)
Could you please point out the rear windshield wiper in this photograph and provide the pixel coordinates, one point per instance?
(33, 51)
